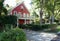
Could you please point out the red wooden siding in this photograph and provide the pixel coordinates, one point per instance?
(23, 10)
(19, 9)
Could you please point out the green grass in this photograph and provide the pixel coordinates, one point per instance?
(54, 31)
(58, 28)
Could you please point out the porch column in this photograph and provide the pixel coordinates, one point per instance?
(17, 22)
(30, 20)
(25, 21)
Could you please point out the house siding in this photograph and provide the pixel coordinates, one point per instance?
(21, 9)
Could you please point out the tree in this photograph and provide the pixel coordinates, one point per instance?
(2, 8)
(50, 6)
(39, 6)
(35, 17)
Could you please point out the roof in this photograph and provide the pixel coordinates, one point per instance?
(21, 4)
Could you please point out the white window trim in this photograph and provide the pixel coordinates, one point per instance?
(24, 15)
(20, 14)
(15, 12)
(28, 15)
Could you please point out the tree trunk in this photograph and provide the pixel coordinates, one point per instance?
(52, 19)
(41, 13)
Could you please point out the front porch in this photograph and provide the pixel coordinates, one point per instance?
(25, 20)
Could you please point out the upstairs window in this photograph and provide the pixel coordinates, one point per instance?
(20, 14)
(15, 12)
(24, 15)
(28, 15)
(22, 7)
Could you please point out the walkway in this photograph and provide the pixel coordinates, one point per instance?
(38, 36)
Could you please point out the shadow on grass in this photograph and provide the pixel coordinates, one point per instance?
(57, 29)
(51, 31)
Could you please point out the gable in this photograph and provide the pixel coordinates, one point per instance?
(21, 8)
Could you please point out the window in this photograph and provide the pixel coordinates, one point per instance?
(24, 15)
(22, 7)
(20, 14)
(27, 15)
(15, 12)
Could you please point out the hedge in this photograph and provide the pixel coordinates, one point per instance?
(37, 27)
(15, 34)
(10, 19)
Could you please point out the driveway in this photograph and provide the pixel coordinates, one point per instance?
(38, 36)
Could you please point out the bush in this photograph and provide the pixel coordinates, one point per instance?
(38, 27)
(10, 19)
(13, 35)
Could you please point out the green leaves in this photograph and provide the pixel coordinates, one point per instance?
(8, 19)
(49, 6)
(2, 8)
(1, 1)
(36, 3)
(15, 34)
(35, 14)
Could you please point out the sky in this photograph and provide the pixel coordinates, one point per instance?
(13, 3)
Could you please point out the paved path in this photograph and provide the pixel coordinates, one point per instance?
(38, 36)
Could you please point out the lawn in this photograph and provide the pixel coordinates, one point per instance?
(54, 31)
(58, 28)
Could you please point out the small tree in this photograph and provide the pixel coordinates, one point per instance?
(2, 8)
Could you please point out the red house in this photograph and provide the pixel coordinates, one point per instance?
(22, 13)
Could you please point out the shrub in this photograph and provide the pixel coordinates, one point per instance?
(38, 27)
(10, 19)
(13, 35)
